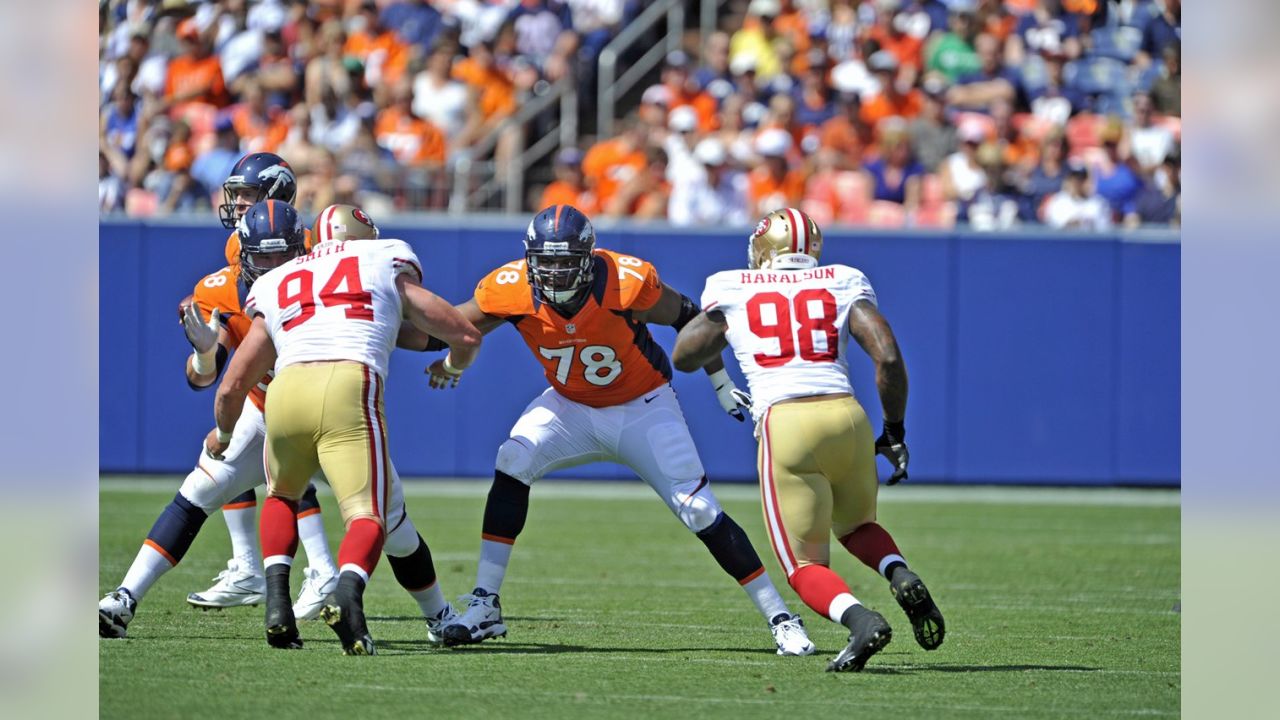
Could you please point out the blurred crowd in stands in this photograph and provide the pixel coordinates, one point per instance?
(888, 113)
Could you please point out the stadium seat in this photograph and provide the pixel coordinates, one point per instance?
(1033, 127)
(1118, 42)
(1083, 130)
(981, 120)
(939, 215)
(141, 203)
(886, 214)
(1097, 75)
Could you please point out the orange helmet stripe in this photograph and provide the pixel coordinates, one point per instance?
(271, 214)
(556, 223)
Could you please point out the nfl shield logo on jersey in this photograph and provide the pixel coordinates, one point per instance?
(570, 328)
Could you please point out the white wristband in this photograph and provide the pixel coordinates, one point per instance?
(223, 435)
(449, 368)
(204, 363)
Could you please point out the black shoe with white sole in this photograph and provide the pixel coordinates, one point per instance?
(869, 633)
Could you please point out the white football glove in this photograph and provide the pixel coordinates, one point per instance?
(733, 400)
(203, 337)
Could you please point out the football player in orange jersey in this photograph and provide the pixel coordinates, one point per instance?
(583, 312)
(223, 482)
(256, 177)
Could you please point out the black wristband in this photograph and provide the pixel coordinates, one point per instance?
(688, 311)
(434, 343)
(895, 430)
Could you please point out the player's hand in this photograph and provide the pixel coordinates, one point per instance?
(440, 378)
(202, 335)
(893, 445)
(733, 400)
(213, 446)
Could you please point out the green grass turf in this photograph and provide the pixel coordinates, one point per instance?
(1058, 604)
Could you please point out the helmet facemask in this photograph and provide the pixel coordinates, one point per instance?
(269, 254)
(237, 201)
(560, 277)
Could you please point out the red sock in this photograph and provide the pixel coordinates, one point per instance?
(279, 530)
(873, 545)
(817, 586)
(361, 546)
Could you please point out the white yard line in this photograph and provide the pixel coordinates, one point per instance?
(633, 490)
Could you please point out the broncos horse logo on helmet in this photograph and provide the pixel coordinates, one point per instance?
(271, 234)
(559, 248)
(267, 175)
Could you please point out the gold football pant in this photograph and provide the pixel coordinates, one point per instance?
(817, 476)
(329, 416)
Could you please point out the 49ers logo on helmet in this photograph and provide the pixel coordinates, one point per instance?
(360, 215)
(762, 227)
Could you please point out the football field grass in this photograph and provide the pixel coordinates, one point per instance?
(1059, 603)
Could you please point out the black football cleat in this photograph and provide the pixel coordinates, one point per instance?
(926, 618)
(282, 626)
(344, 613)
(869, 633)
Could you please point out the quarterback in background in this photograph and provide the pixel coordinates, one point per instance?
(327, 322)
(583, 313)
(788, 320)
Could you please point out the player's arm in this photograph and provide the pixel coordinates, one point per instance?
(255, 356)
(700, 342)
(441, 323)
(873, 333)
(209, 342)
(677, 310)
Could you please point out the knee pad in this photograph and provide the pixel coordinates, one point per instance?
(516, 460)
(414, 571)
(402, 539)
(201, 490)
(693, 502)
(177, 527)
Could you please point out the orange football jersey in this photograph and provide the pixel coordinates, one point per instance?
(233, 246)
(601, 356)
(222, 290)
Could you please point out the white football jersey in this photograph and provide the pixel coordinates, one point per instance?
(789, 328)
(338, 302)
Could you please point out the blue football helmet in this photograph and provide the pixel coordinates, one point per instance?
(558, 249)
(271, 234)
(266, 175)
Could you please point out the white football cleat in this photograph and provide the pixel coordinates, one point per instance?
(436, 625)
(235, 586)
(481, 620)
(115, 610)
(788, 633)
(316, 588)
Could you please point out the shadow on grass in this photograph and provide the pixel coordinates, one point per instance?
(504, 647)
(981, 668)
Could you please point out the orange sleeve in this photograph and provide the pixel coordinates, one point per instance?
(220, 290)
(233, 249)
(505, 292)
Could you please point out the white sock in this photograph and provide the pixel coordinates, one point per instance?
(147, 567)
(430, 600)
(494, 557)
(311, 532)
(839, 604)
(765, 596)
(242, 524)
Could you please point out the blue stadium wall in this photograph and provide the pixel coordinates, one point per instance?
(1034, 359)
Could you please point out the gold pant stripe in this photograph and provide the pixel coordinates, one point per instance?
(329, 416)
(817, 477)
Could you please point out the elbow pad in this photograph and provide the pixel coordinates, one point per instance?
(688, 311)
